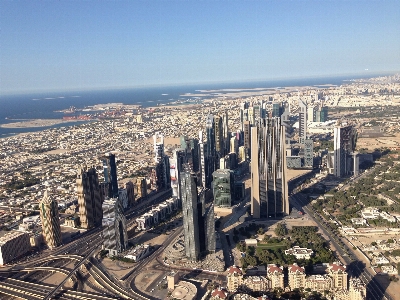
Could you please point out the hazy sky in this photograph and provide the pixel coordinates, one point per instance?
(84, 44)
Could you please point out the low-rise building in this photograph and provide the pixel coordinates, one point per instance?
(359, 221)
(219, 294)
(300, 253)
(138, 253)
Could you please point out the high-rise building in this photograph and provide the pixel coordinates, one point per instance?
(110, 174)
(13, 244)
(247, 135)
(356, 163)
(50, 221)
(243, 113)
(176, 164)
(323, 114)
(242, 154)
(223, 188)
(89, 198)
(343, 145)
(210, 153)
(277, 109)
(115, 237)
(302, 121)
(219, 141)
(234, 145)
(195, 159)
(130, 190)
(190, 214)
(202, 161)
(225, 134)
(269, 192)
(311, 113)
(308, 153)
(198, 220)
(141, 187)
(158, 147)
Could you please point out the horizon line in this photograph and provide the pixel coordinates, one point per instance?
(143, 86)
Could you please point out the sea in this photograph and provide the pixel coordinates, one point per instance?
(44, 105)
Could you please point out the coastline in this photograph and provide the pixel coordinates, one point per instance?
(34, 123)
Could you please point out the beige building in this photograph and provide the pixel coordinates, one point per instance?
(234, 278)
(50, 221)
(357, 291)
(13, 244)
(172, 279)
(257, 283)
(339, 276)
(319, 283)
(141, 186)
(296, 276)
(275, 274)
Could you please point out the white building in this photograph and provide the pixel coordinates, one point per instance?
(300, 253)
(138, 253)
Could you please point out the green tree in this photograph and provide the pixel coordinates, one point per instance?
(280, 229)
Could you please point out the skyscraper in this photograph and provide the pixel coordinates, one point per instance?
(243, 113)
(176, 164)
(110, 174)
(89, 198)
(158, 147)
(285, 120)
(269, 192)
(308, 153)
(344, 144)
(277, 109)
(302, 121)
(219, 141)
(130, 190)
(223, 188)
(202, 161)
(225, 133)
(115, 237)
(50, 221)
(190, 214)
(198, 220)
(210, 153)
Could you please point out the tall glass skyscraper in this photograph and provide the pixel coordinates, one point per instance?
(198, 220)
(269, 192)
(110, 174)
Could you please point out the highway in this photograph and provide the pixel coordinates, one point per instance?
(350, 259)
(28, 290)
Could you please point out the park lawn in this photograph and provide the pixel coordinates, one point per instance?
(274, 246)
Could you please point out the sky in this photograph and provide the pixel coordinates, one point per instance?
(67, 45)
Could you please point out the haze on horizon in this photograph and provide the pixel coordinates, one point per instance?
(65, 45)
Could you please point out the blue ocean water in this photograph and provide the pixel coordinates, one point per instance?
(43, 105)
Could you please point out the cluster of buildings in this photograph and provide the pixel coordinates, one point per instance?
(334, 278)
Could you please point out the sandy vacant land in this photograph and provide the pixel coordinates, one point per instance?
(384, 141)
